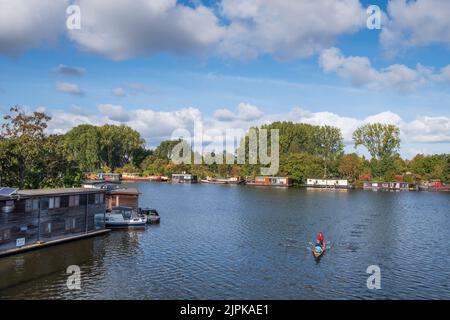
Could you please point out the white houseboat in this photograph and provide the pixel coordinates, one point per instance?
(328, 183)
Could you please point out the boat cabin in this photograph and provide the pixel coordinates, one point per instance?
(184, 178)
(128, 197)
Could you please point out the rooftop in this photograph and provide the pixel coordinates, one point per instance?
(124, 191)
(58, 191)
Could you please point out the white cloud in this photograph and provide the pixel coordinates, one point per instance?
(359, 71)
(415, 23)
(224, 115)
(122, 29)
(156, 126)
(114, 112)
(241, 29)
(26, 24)
(245, 112)
(70, 88)
(287, 29)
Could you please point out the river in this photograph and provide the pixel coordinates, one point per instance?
(243, 242)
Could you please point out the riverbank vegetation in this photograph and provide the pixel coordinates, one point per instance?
(30, 158)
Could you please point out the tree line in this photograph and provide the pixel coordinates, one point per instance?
(30, 158)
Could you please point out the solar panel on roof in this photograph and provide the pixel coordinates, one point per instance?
(7, 191)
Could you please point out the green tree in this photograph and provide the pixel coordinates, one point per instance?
(300, 166)
(83, 146)
(381, 140)
(26, 134)
(329, 144)
(164, 150)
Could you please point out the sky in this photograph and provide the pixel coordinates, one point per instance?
(163, 65)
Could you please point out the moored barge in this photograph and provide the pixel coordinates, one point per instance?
(269, 181)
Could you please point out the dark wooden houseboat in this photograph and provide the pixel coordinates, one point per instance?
(31, 218)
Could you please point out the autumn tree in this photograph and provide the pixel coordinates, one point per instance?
(350, 166)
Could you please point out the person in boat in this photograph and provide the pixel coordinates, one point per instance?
(320, 239)
(318, 247)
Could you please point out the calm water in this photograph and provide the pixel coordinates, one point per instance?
(235, 242)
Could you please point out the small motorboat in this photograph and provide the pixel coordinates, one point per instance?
(124, 217)
(318, 250)
(151, 214)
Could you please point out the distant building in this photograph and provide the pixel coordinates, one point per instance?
(29, 217)
(328, 183)
(270, 181)
(371, 185)
(184, 178)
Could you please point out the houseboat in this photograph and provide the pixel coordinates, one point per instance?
(371, 185)
(268, 181)
(137, 177)
(184, 178)
(434, 186)
(327, 183)
(109, 176)
(233, 180)
(100, 184)
(124, 218)
(31, 219)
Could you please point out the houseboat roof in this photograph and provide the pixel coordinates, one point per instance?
(271, 177)
(94, 182)
(124, 191)
(58, 191)
(329, 179)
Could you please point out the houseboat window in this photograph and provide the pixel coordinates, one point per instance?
(74, 201)
(91, 199)
(5, 235)
(28, 205)
(99, 219)
(48, 227)
(99, 198)
(54, 202)
(44, 203)
(35, 204)
(31, 205)
(70, 224)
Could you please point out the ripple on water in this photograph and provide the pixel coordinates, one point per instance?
(221, 242)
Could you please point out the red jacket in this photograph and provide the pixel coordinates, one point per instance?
(320, 237)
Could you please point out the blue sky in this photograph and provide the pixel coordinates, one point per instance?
(257, 60)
